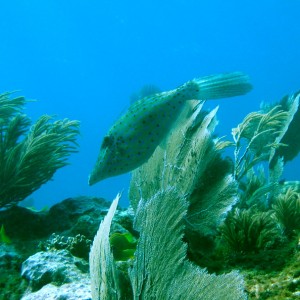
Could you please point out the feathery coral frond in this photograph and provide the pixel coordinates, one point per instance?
(104, 273)
(29, 157)
(287, 211)
(160, 269)
(248, 230)
(260, 131)
(10, 107)
(290, 135)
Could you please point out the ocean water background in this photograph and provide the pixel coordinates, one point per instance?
(83, 60)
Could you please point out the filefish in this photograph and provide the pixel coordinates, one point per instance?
(135, 135)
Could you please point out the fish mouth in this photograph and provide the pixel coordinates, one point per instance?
(92, 180)
(95, 177)
(99, 169)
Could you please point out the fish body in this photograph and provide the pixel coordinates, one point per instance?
(135, 135)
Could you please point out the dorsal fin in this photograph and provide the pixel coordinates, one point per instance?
(146, 91)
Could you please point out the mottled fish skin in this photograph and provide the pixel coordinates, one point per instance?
(133, 138)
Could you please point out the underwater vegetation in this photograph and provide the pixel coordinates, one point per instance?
(287, 211)
(189, 201)
(290, 136)
(204, 226)
(248, 230)
(268, 209)
(30, 154)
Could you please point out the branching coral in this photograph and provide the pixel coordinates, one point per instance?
(29, 156)
(79, 245)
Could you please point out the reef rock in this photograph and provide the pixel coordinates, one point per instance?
(74, 222)
(82, 215)
(69, 291)
(56, 275)
(24, 224)
(79, 215)
(11, 284)
(72, 216)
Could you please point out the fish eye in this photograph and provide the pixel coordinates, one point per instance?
(107, 141)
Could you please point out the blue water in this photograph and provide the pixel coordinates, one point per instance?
(83, 59)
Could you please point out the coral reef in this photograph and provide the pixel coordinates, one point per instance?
(200, 226)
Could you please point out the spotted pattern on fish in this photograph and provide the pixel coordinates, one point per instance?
(135, 135)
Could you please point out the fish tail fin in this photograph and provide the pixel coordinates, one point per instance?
(218, 86)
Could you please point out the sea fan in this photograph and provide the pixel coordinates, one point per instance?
(162, 193)
(188, 162)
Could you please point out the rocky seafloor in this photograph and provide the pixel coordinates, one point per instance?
(47, 257)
